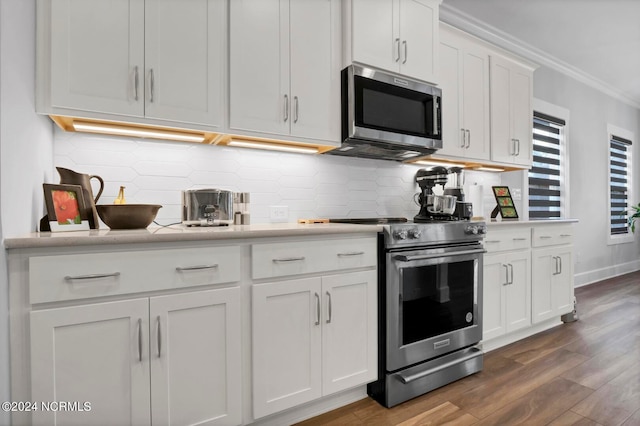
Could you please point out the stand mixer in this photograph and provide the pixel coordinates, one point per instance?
(464, 210)
(433, 207)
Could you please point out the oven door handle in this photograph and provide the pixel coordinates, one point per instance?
(413, 377)
(404, 258)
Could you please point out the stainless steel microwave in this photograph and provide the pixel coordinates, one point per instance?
(387, 116)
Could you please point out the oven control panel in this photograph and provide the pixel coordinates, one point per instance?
(476, 229)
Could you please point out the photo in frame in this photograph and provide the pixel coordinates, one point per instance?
(506, 206)
(65, 207)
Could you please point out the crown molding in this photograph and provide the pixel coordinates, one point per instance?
(484, 31)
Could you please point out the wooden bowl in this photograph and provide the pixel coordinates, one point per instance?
(127, 216)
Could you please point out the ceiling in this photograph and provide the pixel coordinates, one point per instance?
(599, 39)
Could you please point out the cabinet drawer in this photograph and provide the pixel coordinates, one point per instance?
(552, 235)
(79, 276)
(507, 239)
(282, 259)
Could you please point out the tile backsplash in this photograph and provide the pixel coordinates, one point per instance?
(311, 186)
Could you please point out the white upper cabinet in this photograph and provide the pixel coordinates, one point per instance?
(511, 112)
(185, 48)
(160, 59)
(285, 68)
(396, 35)
(464, 80)
(97, 55)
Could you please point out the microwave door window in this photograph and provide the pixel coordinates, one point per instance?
(385, 107)
(436, 299)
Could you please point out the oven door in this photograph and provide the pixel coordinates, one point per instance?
(432, 302)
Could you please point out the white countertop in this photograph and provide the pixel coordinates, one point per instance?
(491, 223)
(177, 233)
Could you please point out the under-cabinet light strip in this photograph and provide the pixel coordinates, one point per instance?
(115, 129)
(272, 146)
(439, 163)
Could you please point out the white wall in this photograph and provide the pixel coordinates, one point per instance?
(25, 149)
(591, 111)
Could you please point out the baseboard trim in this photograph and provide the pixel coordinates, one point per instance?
(314, 408)
(591, 277)
(507, 339)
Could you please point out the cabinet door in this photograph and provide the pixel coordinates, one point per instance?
(349, 333)
(511, 113)
(286, 339)
(195, 358)
(517, 296)
(95, 353)
(451, 57)
(315, 69)
(419, 39)
(521, 113)
(475, 101)
(502, 144)
(494, 280)
(552, 290)
(184, 57)
(563, 281)
(259, 66)
(375, 33)
(97, 55)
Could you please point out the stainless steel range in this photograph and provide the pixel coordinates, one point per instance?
(430, 310)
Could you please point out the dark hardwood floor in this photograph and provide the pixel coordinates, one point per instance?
(581, 373)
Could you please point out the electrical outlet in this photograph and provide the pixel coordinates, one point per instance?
(279, 213)
(516, 194)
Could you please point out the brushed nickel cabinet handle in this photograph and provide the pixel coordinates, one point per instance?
(159, 336)
(295, 109)
(286, 107)
(545, 237)
(136, 81)
(513, 147)
(464, 139)
(492, 241)
(140, 339)
(519, 239)
(518, 146)
(566, 235)
(511, 269)
(288, 259)
(196, 267)
(506, 274)
(404, 44)
(468, 132)
(397, 43)
(152, 84)
(91, 276)
(317, 309)
(329, 307)
(351, 253)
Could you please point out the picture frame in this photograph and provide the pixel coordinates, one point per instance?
(506, 207)
(66, 208)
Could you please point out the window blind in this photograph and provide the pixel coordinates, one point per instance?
(545, 176)
(618, 183)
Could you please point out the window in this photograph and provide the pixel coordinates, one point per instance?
(620, 142)
(546, 176)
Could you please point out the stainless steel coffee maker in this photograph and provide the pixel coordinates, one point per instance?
(463, 210)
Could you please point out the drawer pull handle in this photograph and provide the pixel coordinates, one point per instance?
(545, 237)
(288, 259)
(317, 309)
(196, 267)
(519, 239)
(565, 235)
(329, 308)
(159, 337)
(492, 241)
(351, 253)
(91, 276)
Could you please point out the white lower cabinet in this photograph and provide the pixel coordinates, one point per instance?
(162, 360)
(506, 293)
(312, 337)
(552, 288)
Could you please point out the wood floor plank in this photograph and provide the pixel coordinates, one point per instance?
(540, 406)
(443, 414)
(614, 402)
(570, 418)
(634, 420)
